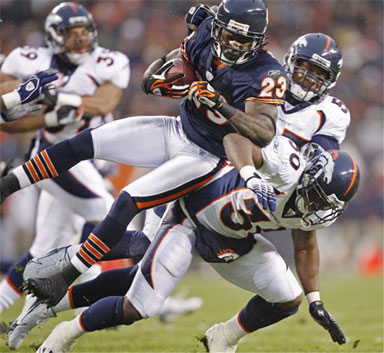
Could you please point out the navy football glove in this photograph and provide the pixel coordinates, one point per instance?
(197, 14)
(264, 192)
(325, 319)
(34, 86)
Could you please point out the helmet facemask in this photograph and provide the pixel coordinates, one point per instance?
(234, 46)
(61, 26)
(312, 201)
(305, 85)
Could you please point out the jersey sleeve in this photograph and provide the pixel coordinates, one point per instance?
(269, 84)
(22, 62)
(337, 119)
(114, 67)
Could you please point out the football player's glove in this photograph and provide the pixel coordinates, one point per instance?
(20, 110)
(64, 115)
(325, 319)
(158, 85)
(202, 92)
(264, 192)
(33, 87)
(197, 14)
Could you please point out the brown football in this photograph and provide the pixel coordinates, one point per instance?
(183, 66)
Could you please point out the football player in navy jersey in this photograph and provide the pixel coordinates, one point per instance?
(240, 88)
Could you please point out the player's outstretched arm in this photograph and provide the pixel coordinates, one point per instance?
(246, 157)
(307, 266)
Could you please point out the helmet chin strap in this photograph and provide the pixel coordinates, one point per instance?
(78, 58)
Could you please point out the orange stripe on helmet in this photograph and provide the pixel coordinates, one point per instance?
(353, 177)
(329, 40)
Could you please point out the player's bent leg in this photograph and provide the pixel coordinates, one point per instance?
(262, 271)
(164, 264)
(48, 164)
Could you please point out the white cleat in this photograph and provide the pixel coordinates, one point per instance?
(175, 306)
(215, 340)
(51, 262)
(60, 340)
(33, 314)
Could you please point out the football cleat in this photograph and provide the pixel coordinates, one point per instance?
(175, 306)
(47, 290)
(215, 340)
(34, 313)
(50, 263)
(60, 340)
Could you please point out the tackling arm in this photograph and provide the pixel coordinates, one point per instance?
(246, 157)
(307, 261)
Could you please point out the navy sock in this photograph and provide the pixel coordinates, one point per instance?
(15, 274)
(133, 244)
(109, 232)
(109, 283)
(259, 313)
(60, 157)
(107, 312)
(87, 229)
(5, 265)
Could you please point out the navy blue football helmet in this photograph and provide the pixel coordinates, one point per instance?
(238, 30)
(320, 50)
(330, 180)
(63, 17)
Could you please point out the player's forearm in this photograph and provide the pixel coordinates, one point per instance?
(242, 152)
(104, 101)
(24, 124)
(307, 259)
(257, 122)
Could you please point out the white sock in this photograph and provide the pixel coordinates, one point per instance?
(8, 294)
(233, 330)
(76, 327)
(63, 304)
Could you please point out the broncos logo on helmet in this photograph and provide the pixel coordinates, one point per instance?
(238, 30)
(321, 51)
(58, 25)
(330, 180)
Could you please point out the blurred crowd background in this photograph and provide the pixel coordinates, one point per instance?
(147, 29)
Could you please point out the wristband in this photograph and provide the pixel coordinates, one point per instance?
(50, 119)
(11, 99)
(313, 296)
(247, 172)
(73, 100)
(226, 110)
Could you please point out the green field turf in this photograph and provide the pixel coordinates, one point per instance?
(357, 304)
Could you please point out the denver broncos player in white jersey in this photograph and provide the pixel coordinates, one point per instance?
(245, 85)
(218, 222)
(91, 78)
